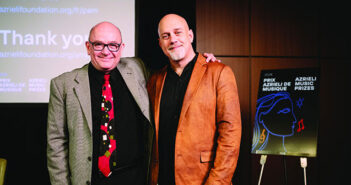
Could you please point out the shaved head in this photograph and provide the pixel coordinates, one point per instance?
(169, 18)
(104, 25)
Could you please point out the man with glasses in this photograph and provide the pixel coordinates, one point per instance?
(96, 136)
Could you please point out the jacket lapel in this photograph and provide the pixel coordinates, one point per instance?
(195, 79)
(82, 90)
(133, 86)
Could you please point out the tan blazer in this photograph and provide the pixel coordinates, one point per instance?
(209, 129)
(69, 127)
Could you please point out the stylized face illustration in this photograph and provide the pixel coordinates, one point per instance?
(280, 119)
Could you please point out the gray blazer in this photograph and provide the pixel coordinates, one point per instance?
(69, 126)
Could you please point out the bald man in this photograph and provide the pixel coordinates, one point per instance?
(99, 129)
(196, 112)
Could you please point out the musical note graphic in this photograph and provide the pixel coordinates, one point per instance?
(299, 102)
(301, 126)
(262, 136)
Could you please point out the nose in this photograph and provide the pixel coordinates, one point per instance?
(105, 50)
(294, 118)
(173, 38)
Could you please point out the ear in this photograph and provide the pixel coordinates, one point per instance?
(121, 47)
(88, 46)
(159, 42)
(191, 35)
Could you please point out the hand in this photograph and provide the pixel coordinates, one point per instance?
(210, 57)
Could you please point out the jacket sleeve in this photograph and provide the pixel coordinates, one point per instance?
(228, 120)
(57, 138)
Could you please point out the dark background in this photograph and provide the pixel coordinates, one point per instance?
(247, 35)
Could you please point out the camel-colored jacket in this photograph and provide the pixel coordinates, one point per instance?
(209, 129)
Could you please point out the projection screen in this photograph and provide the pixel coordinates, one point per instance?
(40, 39)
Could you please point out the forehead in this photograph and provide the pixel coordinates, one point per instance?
(283, 102)
(105, 33)
(172, 23)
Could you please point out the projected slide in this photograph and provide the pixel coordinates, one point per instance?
(40, 39)
(286, 118)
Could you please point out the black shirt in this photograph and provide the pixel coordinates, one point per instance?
(171, 104)
(128, 132)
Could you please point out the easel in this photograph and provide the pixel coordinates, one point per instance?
(303, 163)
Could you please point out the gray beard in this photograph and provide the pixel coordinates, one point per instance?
(176, 56)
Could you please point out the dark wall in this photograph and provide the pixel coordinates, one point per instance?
(149, 13)
(23, 143)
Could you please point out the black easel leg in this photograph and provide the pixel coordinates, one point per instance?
(285, 173)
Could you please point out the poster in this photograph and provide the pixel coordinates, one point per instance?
(287, 113)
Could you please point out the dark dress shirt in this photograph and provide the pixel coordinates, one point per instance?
(171, 104)
(128, 133)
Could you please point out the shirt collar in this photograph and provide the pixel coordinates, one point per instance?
(188, 67)
(99, 75)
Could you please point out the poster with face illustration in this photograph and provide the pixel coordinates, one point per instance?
(287, 113)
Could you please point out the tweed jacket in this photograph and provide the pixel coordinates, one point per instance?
(209, 129)
(69, 124)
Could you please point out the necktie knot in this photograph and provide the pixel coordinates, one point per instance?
(107, 77)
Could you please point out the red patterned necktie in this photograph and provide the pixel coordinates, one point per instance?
(108, 141)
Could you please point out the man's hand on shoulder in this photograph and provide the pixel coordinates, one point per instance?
(210, 57)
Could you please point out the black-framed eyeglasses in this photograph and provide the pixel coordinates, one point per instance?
(98, 46)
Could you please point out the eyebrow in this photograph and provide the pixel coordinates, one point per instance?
(179, 29)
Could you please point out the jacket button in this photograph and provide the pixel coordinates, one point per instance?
(88, 182)
(89, 158)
